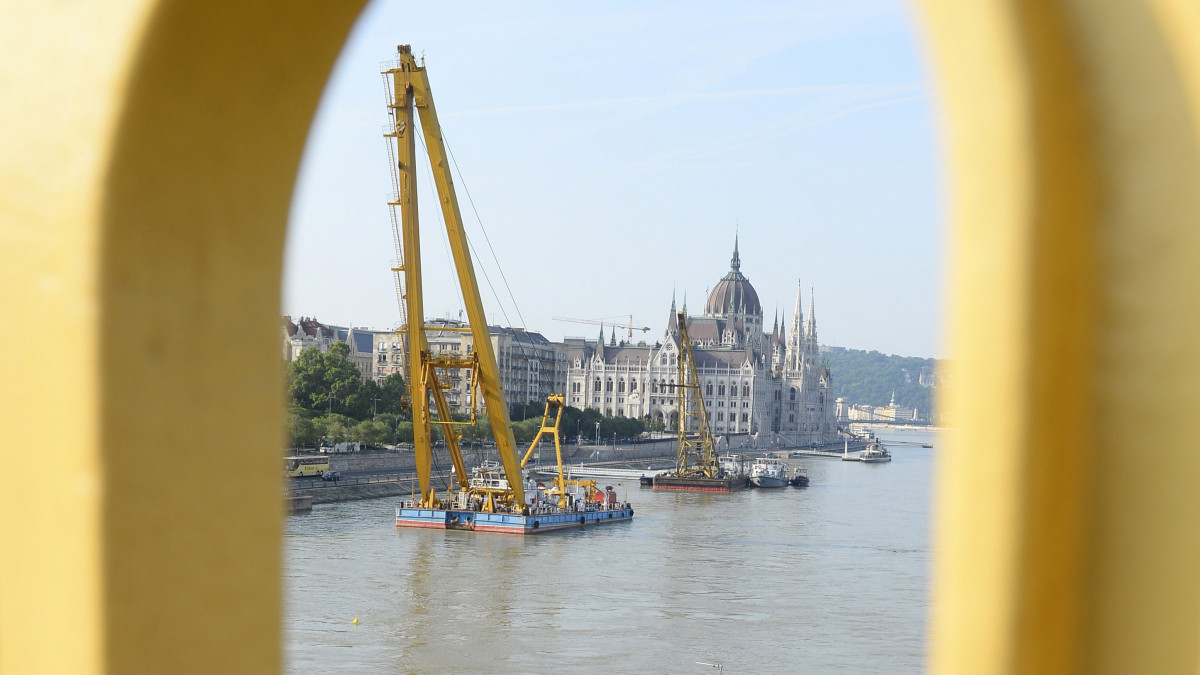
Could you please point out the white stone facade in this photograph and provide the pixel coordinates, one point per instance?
(531, 367)
(751, 382)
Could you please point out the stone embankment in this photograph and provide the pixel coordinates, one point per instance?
(401, 482)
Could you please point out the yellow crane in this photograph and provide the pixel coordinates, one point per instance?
(629, 327)
(410, 97)
(695, 455)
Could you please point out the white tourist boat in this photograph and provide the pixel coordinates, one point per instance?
(768, 472)
(732, 465)
(875, 453)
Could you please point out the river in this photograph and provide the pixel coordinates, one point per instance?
(832, 577)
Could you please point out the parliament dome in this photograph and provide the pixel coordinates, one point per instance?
(734, 293)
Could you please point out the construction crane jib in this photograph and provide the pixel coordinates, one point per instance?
(410, 92)
(695, 455)
(629, 327)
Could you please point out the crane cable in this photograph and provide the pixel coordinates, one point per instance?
(470, 244)
(492, 250)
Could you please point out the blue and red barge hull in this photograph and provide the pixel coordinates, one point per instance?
(510, 523)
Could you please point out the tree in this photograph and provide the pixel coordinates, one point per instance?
(392, 392)
(329, 383)
(871, 378)
(404, 432)
(372, 432)
(334, 429)
(301, 430)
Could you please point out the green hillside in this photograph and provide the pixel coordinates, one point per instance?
(869, 378)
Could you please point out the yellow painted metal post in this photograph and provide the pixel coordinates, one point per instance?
(1067, 505)
(129, 222)
(415, 342)
(493, 394)
(149, 155)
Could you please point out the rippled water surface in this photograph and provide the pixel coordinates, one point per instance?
(833, 577)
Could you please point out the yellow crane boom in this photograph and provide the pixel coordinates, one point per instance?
(695, 456)
(411, 98)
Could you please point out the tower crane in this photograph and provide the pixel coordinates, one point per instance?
(629, 327)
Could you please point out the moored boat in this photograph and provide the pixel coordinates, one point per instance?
(875, 453)
(799, 477)
(768, 472)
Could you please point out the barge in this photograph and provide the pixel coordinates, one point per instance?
(535, 521)
(480, 507)
(700, 483)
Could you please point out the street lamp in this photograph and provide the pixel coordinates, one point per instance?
(375, 408)
(597, 434)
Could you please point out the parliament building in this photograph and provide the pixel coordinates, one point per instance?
(768, 385)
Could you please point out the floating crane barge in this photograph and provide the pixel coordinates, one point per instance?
(497, 496)
(697, 466)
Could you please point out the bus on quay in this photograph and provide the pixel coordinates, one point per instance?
(312, 465)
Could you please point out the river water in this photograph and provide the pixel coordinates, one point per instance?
(829, 578)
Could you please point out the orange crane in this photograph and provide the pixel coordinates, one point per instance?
(629, 327)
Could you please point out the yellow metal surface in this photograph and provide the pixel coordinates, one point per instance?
(693, 456)
(133, 220)
(150, 150)
(405, 133)
(411, 90)
(554, 405)
(1067, 503)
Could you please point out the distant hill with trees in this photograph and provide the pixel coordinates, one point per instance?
(870, 378)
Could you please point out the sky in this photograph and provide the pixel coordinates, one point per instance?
(608, 154)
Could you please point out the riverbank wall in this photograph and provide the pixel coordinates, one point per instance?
(659, 453)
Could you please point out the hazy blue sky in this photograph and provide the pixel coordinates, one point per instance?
(612, 148)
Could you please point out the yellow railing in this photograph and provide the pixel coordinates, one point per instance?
(149, 153)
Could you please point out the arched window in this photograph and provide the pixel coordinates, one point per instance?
(608, 384)
(708, 389)
(793, 395)
(621, 387)
(597, 385)
(745, 389)
(721, 390)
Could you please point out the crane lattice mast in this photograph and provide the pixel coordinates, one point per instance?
(410, 97)
(695, 455)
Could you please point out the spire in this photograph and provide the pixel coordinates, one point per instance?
(601, 334)
(672, 328)
(812, 314)
(613, 341)
(736, 262)
(794, 358)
